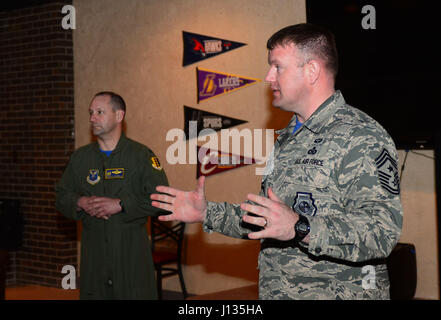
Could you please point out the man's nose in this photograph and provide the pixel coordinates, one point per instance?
(269, 76)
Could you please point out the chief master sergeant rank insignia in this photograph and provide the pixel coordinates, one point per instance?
(388, 172)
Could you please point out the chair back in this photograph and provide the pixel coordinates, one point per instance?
(166, 232)
(171, 234)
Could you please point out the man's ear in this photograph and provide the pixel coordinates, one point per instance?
(120, 115)
(313, 69)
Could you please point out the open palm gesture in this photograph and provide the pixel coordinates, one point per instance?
(185, 206)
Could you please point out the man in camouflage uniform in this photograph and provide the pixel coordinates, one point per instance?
(329, 204)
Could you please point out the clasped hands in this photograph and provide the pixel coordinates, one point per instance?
(99, 207)
(271, 213)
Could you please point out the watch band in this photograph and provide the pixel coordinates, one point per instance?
(301, 228)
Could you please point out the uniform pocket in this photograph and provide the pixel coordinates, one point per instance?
(316, 176)
(307, 189)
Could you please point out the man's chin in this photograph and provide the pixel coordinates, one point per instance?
(96, 133)
(278, 105)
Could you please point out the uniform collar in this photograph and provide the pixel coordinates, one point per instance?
(290, 127)
(121, 143)
(324, 112)
(320, 117)
(119, 146)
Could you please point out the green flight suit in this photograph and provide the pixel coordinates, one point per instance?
(116, 259)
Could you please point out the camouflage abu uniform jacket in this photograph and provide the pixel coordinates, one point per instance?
(340, 171)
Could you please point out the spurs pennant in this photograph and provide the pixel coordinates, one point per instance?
(198, 47)
(212, 83)
(206, 120)
(213, 161)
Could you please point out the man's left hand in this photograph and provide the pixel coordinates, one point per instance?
(104, 207)
(275, 216)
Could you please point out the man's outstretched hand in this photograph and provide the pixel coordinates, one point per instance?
(185, 206)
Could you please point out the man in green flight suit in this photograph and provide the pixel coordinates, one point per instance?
(107, 185)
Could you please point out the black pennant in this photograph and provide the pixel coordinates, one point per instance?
(206, 120)
(198, 47)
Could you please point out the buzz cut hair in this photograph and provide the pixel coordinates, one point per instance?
(313, 41)
(116, 101)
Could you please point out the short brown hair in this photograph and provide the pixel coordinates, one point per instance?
(310, 39)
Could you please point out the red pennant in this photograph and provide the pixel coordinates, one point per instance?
(213, 161)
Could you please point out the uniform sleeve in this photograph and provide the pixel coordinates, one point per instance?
(67, 194)
(367, 222)
(226, 218)
(136, 199)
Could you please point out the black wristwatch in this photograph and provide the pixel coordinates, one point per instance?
(301, 228)
(121, 205)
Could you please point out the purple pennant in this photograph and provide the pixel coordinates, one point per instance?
(212, 83)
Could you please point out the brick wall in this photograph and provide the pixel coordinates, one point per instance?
(36, 126)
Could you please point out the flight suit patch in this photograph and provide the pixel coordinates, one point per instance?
(114, 173)
(155, 163)
(93, 177)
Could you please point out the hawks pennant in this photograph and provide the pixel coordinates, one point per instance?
(206, 120)
(212, 83)
(198, 47)
(212, 161)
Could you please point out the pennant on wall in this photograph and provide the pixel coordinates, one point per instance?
(206, 120)
(213, 161)
(212, 83)
(198, 47)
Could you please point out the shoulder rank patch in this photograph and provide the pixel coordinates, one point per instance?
(155, 163)
(114, 173)
(93, 176)
(388, 172)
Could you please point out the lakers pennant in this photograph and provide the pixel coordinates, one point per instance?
(212, 83)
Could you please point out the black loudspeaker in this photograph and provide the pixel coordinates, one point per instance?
(11, 225)
(402, 268)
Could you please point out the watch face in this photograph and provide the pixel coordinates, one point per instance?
(302, 228)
